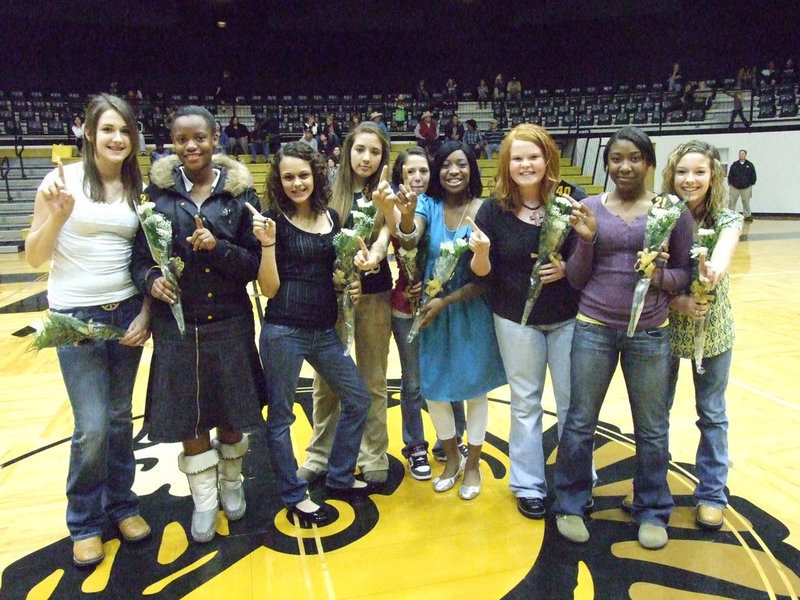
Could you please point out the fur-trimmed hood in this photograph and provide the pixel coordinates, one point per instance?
(237, 177)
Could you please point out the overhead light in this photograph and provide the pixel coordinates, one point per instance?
(222, 24)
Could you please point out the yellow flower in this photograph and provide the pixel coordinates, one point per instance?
(433, 288)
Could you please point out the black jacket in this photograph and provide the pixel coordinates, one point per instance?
(213, 283)
(742, 176)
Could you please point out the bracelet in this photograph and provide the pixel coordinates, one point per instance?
(406, 237)
(268, 245)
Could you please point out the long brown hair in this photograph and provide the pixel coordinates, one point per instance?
(505, 190)
(130, 175)
(344, 185)
(277, 197)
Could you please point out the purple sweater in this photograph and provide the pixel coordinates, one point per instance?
(604, 272)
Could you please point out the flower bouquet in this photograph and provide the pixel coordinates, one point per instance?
(60, 329)
(346, 245)
(555, 228)
(407, 261)
(702, 294)
(661, 219)
(443, 269)
(158, 231)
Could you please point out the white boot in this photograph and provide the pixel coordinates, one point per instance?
(231, 491)
(201, 471)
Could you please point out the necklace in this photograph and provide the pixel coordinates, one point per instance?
(461, 220)
(537, 213)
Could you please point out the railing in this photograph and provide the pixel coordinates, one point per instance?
(5, 167)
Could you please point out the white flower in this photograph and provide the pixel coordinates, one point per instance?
(699, 251)
(145, 207)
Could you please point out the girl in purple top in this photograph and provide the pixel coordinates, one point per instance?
(611, 227)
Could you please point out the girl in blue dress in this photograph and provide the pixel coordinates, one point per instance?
(459, 357)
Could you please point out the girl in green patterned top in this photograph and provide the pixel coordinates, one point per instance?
(694, 172)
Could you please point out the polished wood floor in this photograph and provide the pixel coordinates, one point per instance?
(410, 542)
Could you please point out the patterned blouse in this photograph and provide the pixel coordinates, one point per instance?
(720, 332)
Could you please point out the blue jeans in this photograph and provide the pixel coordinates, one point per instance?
(711, 460)
(283, 350)
(99, 378)
(645, 360)
(527, 352)
(259, 147)
(410, 397)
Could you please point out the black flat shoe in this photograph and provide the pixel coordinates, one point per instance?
(317, 517)
(352, 493)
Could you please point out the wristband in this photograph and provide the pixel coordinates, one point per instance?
(268, 245)
(406, 237)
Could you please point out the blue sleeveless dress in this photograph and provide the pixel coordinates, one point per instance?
(458, 354)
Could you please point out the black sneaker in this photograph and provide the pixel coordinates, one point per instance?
(533, 508)
(462, 447)
(438, 451)
(418, 466)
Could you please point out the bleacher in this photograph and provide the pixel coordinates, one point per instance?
(29, 122)
(46, 117)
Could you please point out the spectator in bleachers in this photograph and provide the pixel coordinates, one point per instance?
(238, 135)
(703, 96)
(499, 88)
(222, 140)
(493, 137)
(474, 138)
(377, 118)
(513, 90)
(259, 139)
(738, 110)
(325, 145)
(308, 138)
(337, 154)
(311, 124)
(454, 130)
(451, 90)
(332, 169)
(224, 92)
(425, 132)
(768, 74)
(483, 94)
(686, 101)
(140, 133)
(84, 223)
(400, 113)
(332, 130)
(421, 94)
(77, 132)
(788, 75)
(160, 152)
(675, 79)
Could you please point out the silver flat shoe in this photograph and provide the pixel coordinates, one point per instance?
(442, 484)
(468, 492)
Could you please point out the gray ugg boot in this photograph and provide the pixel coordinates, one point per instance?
(231, 490)
(201, 471)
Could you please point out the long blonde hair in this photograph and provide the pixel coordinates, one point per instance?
(344, 187)
(505, 190)
(715, 198)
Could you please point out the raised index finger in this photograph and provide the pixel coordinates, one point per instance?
(252, 209)
(405, 177)
(364, 248)
(385, 173)
(472, 224)
(61, 170)
(198, 223)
